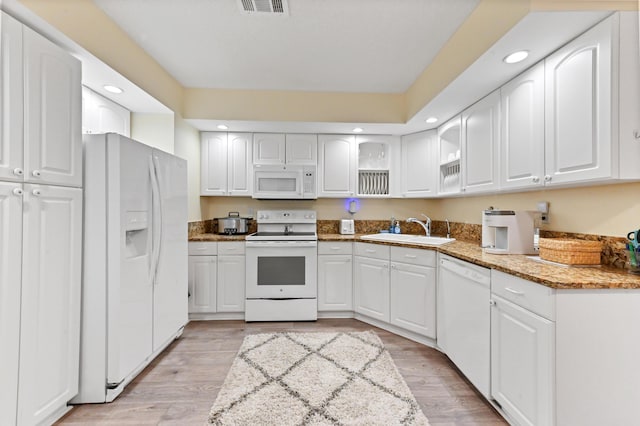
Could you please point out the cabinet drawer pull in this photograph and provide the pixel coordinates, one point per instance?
(36, 173)
(410, 256)
(370, 251)
(18, 171)
(334, 248)
(510, 290)
(18, 191)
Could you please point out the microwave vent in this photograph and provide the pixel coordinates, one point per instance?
(264, 7)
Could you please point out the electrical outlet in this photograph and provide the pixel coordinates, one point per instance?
(543, 208)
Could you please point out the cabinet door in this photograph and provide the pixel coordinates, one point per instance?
(335, 285)
(336, 165)
(53, 113)
(230, 283)
(100, 115)
(578, 109)
(522, 363)
(213, 166)
(371, 291)
(301, 149)
(413, 298)
(50, 317)
(202, 283)
(10, 279)
(268, 148)
(240, 169)
(480, 145)
(419, 164)
(11, 99)
(522, 130)
(449, 147)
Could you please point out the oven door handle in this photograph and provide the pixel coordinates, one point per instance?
(281, 244)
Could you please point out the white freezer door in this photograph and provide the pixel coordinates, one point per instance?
(170, 293)
(129, 289)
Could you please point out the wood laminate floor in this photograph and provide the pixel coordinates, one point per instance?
(179, 386)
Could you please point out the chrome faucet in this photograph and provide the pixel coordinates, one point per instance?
(448, 228)
(427, 227)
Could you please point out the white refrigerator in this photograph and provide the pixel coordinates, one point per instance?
(134, 290)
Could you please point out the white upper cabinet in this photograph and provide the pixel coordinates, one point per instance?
(301, 149)
(268, 148)
(11, 105)
(522, 130)
(43, 145)
(53, 113)
(480, 145)
(374, 164)
(226, 167)
(336, 158)
(449, 134)
(101, 115)
(587, 92)
(280, 149)
(419, 164)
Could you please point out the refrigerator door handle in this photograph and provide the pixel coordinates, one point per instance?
(155, 220)
(160, 209)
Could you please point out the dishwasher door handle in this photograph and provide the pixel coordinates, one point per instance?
(465, 272)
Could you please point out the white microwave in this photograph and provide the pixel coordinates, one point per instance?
(284, 182)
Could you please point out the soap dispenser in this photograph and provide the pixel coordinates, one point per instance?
(396, 228)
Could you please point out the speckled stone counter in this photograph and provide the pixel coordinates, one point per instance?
(216, 237)
(550, 275)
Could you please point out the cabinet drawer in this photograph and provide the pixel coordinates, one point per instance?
(335, 248)
(413, 256)
(208, 248)
(231, 247)
(529, 295)
(376, 251)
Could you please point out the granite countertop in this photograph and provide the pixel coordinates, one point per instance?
(550, 275)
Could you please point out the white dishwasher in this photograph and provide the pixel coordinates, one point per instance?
(464, 315)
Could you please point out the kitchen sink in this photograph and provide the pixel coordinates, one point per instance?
(408, 239)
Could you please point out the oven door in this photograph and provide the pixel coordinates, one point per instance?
(281, 269)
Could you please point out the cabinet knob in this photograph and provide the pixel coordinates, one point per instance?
(18, 171)
(535, 179)
(36, 173)
(36, 192)
(18, 191)
(547, 178)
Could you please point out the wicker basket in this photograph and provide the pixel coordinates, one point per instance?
(570, 252)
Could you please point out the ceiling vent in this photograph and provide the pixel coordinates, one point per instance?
(264, 7)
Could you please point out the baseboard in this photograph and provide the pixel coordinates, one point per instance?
(216, 316)
(427, 341)
(336, 314)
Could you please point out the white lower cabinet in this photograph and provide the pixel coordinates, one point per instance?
(39, 301)
(396, 285)
(231, 277)
(413, 290)
(371, 280)
(216, 277)
(203, 274)
(335, 276)
(523, 350)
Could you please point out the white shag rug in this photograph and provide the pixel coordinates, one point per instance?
(314, 379)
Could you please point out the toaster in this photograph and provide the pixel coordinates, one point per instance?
(347, 227)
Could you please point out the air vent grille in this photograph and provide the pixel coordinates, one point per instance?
(264, 7)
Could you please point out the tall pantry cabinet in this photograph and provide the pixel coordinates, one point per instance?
(40, 224)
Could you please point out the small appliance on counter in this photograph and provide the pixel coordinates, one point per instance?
(233, 224)
(508, 231)
(347, 227)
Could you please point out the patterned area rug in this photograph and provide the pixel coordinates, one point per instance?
(315, 379)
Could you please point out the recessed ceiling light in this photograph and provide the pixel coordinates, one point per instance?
(357, 130)
(515, 57)
(431, 120)
(222, 127)
(112, 89)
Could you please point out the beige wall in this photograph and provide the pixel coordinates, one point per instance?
(611, 210)
(187, 146)
(327, 208)
(156, 130)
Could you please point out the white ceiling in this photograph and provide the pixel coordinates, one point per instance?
(369, 46)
